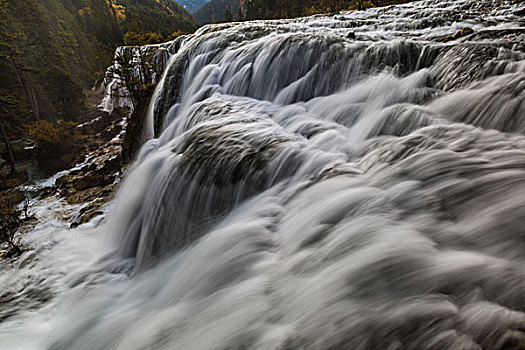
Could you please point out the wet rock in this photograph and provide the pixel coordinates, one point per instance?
(88, 181)
(169, 96)
(94, 126)
(463, 64)
(111, 132)
(93, 183)
(80, 182)
(92, 210)
(64, 181)
(135, 128)
(45, 192)
(28, 297)
(95, 199)
(99, 173)
(88, 195)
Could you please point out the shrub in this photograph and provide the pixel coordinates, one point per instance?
(174, 35)
(56, 145)
(133, 38)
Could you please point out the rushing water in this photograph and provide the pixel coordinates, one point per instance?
(308, 189)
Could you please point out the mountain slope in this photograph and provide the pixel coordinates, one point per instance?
(215, 10)
(51, 50)
(273, 9)
(159, 16)
(192, 5)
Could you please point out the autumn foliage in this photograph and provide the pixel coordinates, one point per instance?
(56, 144)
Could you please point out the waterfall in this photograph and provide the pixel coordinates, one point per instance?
(332, 182)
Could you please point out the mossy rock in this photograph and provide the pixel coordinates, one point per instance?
(449, 38)
(89, 195)
(466, 31)
(462, 33)
(64, 181)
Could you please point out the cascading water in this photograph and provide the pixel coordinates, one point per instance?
(346, 182)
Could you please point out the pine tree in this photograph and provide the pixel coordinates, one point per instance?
(228, 17)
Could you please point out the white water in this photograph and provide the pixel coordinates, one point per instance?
(155, 56)
(310, 191)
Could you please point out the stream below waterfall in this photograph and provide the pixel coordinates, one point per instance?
(330, 182)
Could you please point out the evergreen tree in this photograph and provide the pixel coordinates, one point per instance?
(228, 17)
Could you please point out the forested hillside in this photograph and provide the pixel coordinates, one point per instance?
(53, 50)
(218, 11)
(227, 10)
(267, 9)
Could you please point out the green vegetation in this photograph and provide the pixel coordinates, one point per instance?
(460, 34)
(231, 10)
(216, 11)
(272, 9)
(56, 144)
(52, 51)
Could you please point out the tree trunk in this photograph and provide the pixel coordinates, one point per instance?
(14, 246)
(10, 157)
(35, 106)
(29, 91)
